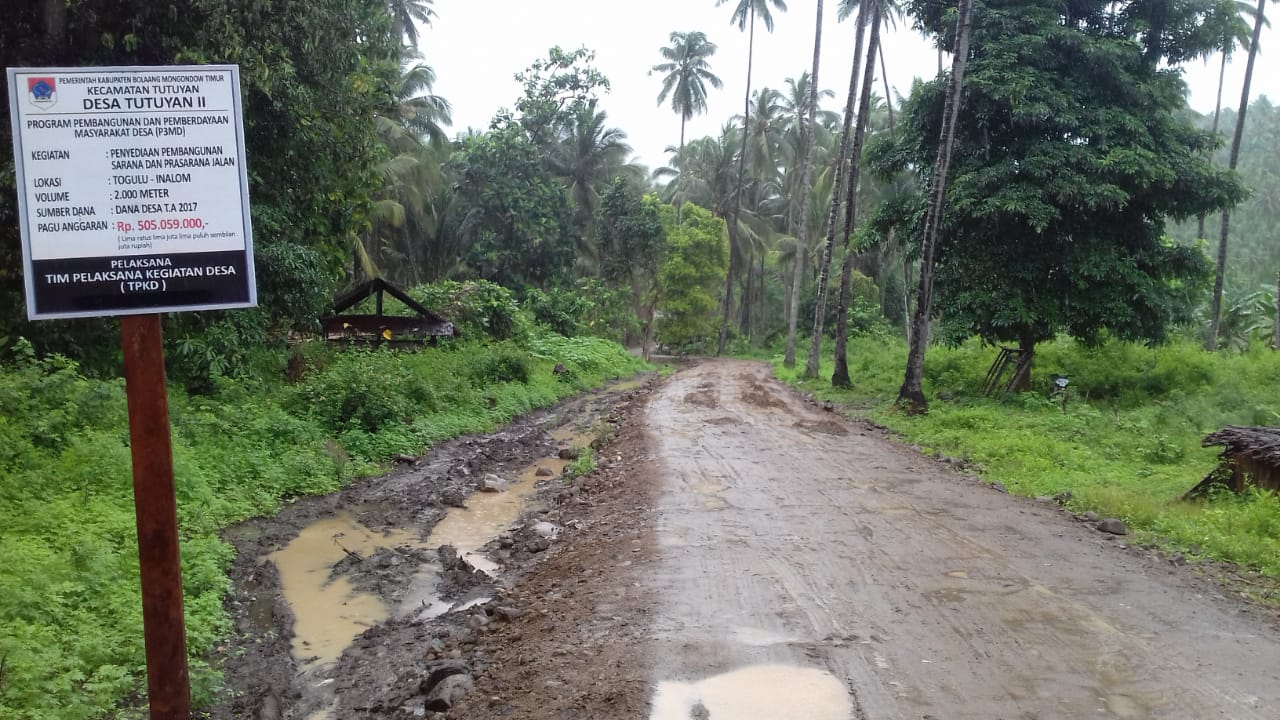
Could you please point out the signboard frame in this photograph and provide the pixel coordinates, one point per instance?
(164, 302)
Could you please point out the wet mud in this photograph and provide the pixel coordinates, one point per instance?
(739, 553)
(364, 603)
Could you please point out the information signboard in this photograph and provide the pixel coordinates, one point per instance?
(132, 191)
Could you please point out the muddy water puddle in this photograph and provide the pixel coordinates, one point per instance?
(777, 692)
(489, 514)
(330, 612)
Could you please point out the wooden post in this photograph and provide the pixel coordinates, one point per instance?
(168, 687)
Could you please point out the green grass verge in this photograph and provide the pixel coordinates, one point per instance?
(1126, 443)
(70, 615)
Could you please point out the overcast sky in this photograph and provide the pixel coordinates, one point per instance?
(476, 46)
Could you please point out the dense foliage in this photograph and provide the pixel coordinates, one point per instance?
(1070, 156)
(314, 75)
(70, 613)
(696, 259)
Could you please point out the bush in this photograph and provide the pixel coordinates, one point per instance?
(478, 308)
(366, 390)
(506, 363)
(559, 310)
(71, 644)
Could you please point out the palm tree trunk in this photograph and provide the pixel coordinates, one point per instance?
(840, 378)
(1216, 309)
(737, 195)
(837, 190)
(683, 120)
(1275, 327)
(1217, 113)
(884, 76)
(748, 297)
(806, 179)
(906, 293)
(912, 391)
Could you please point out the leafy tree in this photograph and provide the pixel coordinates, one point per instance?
(314, 75)
(513, 213)
(1069, 156)
(687, 75)
(632, 242)
(557, 89)
(695, 264)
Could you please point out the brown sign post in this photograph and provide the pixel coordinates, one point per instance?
(157, 512)
(133, 200)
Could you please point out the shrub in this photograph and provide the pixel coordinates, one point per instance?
(478, 308)
(366, 390)
(506, 363)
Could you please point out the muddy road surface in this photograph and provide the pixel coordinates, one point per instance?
(739, 554)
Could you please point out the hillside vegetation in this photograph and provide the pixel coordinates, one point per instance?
(70, 609)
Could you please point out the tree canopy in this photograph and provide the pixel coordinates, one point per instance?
(1071, 154)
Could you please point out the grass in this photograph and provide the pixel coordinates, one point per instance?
(1126, 443)
(70, 614)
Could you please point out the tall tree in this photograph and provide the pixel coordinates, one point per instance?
(1235, 33)
(744, 16)
(406, 14)
(912, 390)
(837, 191)
(1216, 306)
(1069, 155)
(687, 74)
(632, 242)
(840, 378)
(806, 179)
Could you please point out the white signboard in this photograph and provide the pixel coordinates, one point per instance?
(132, 191)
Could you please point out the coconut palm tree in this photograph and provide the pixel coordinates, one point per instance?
(847, 7)
(1232, 163)
(744, 16)
(419, 110)
(840, 378)
(404, 15)
(804, 97)
(589, 156)
(687, 75)
(1235, 33)
(912, 391)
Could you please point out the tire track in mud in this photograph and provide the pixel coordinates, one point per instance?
(792, 541)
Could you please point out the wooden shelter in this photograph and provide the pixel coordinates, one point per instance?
(422, 327)
(1250, 456)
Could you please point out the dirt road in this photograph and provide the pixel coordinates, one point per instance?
(841, 561)
(739, 554)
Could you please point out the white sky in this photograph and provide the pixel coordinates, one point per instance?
(476, 46)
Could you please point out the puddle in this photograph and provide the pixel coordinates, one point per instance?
(571, 436)
(487, 515)
(330, 613)
(777, 692)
